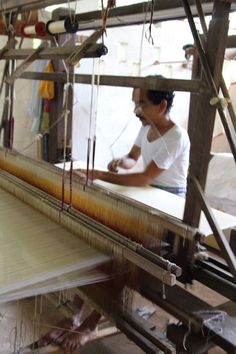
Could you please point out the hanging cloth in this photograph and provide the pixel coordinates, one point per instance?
(46, 88)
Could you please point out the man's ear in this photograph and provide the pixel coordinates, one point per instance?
(163, 106)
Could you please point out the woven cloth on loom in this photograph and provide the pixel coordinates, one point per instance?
(38, 256)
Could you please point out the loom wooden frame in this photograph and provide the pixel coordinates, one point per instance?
(201, 141)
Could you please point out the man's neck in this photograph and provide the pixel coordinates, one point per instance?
(163, 125)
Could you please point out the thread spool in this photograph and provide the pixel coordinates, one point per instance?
(101, 50)
(27, 31)
(40, 29)
(71, 26)
(57, 27)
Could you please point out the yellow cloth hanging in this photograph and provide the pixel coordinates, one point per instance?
(46, 88)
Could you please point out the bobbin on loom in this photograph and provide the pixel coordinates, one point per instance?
(67, 25)
(31, 30)
(40, 29)
(27, 30)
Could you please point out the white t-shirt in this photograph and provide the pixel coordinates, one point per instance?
(170, 152)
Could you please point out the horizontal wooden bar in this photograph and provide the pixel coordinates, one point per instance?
(52, 52)
(119, 16)
(195, 86)
(135, 14)
(26, 5)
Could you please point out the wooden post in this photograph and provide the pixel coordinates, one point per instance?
(203, 118)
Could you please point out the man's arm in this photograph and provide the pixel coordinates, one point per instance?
(140, 179)
(127, 161)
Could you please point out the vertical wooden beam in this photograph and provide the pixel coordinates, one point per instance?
(194, 98)
(56, 134)
(203, 118)
(7, 120)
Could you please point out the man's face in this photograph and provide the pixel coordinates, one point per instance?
(142, 106)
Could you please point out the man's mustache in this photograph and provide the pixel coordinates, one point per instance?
(140, 116)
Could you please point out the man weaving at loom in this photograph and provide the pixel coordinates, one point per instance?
(163, 145)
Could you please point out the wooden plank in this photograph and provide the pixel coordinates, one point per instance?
(51, 53)
(195, 86)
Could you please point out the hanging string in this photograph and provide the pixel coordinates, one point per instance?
(105, 12)
(71, 145)
(72, 16)
(71, 157)
(95, 116)
(22, 330)
(65, 113)
(148, 34)
(90, 124)
(142, 37)
(186, 336)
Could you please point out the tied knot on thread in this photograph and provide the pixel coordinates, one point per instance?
(65, 113)
(224, 102)
(11, 29)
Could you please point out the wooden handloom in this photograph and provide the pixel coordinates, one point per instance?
(115, 224)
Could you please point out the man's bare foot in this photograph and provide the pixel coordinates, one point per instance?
(85, 333)
(62, 328)
(53, 335)
(75, 341)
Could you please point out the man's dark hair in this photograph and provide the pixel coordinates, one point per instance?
(156, 96)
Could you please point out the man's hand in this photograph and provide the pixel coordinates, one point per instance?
(91, 174)
(114, 164)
